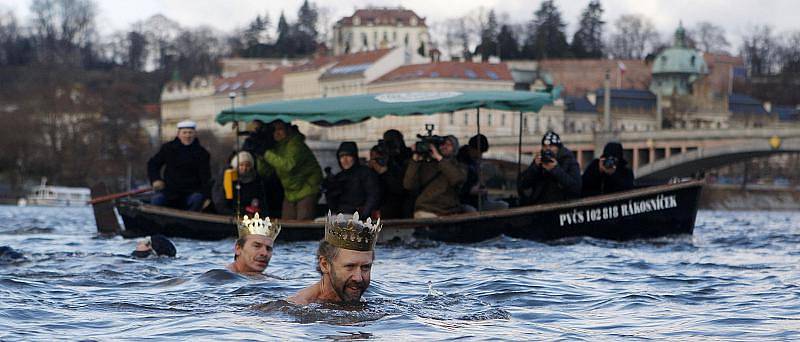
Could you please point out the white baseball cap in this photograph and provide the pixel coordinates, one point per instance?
(187, 124)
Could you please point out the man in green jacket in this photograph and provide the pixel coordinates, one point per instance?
(298, 171)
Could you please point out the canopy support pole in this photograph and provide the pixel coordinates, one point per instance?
(519, 146)
(480, 158)
(232, 96)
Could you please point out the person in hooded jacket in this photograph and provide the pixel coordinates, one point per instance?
(553, 176)
(186, 180)
(355, 187)
(298, 170)
(607, 174)
(252, 189)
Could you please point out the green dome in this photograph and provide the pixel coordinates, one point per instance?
(680, 60)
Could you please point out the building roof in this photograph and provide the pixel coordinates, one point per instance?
(579, 104)
(637, 99)
(449, 70)
(680, 58)
(787, 113)
(382, 16)
(354, 63)
(251, 81)
(744, 104)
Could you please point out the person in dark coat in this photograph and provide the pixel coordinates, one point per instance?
(395, 200)
(470, 156)
(355, 187)
(607, 174)
(553, 176)
(186, 180)
(252, 189)
(397, 153)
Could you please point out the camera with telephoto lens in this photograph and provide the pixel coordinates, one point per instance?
(610, 162)
(548, 156)
(423, 146)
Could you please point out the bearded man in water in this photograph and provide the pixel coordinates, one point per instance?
(344, 261)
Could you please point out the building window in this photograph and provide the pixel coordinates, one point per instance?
(451, 118)
(466, 119)
(489, 119)
(503, 120)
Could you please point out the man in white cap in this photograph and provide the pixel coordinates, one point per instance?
(185, 180)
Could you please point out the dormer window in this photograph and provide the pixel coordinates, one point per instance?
(413, 21)
(356, 21)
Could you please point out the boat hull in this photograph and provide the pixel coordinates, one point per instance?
(643, 213)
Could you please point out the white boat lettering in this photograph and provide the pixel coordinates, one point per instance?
(632, 207)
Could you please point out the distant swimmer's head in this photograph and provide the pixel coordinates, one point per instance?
(156, 245)
(253, 249)
(8, 254)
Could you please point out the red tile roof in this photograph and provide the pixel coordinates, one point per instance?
(355, 63)
(383, 16)
(457, 70)
(251, 81)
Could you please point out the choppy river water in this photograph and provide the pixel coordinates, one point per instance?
(735, 278)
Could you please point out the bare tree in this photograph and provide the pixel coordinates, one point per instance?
(709, 37)
(789, 54)
(634, 36)
(760, 50)
(62, 27)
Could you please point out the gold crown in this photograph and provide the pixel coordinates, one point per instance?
(259, 227)
(352, 233)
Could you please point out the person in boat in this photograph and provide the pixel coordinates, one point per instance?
(395, 201)
(253, 249)
(186, 179)
(344, 261)
(154, 246)
(298, 170)
(355, 187)
(259, 140)
(608, 174)
(435, 176)
(470, 157)
(251, 188)
(553, 176)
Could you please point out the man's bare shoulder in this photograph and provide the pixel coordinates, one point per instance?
(305, 296)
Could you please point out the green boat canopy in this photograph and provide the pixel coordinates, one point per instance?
(349, 109)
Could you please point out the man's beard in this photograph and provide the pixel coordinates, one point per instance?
(341, 289)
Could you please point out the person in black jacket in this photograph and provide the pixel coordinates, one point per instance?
(553, 176)
(355, 188)
(396, 202)
(609, 173)
(252, 189)
(186, 180)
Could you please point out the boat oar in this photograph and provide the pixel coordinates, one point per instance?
(104, 215)
(112, 197)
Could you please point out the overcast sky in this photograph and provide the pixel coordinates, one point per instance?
(736, 16)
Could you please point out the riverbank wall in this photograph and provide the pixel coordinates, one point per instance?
(751, 197)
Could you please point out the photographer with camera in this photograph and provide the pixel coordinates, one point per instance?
(395, 200)
(608, 174)
(474, 194)
(553, 176)
(355, 187)
(435, 176)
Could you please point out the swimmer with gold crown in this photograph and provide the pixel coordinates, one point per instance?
(253, 249)
(344, 261)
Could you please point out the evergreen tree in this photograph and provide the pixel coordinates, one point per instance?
(588, 39)
(488, 45)
(305, 32)
(284, 45)
(507, 43)
(546, 38)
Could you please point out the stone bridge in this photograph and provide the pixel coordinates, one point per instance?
(659, 155)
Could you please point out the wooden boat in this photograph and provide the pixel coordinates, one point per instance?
(641, 213)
